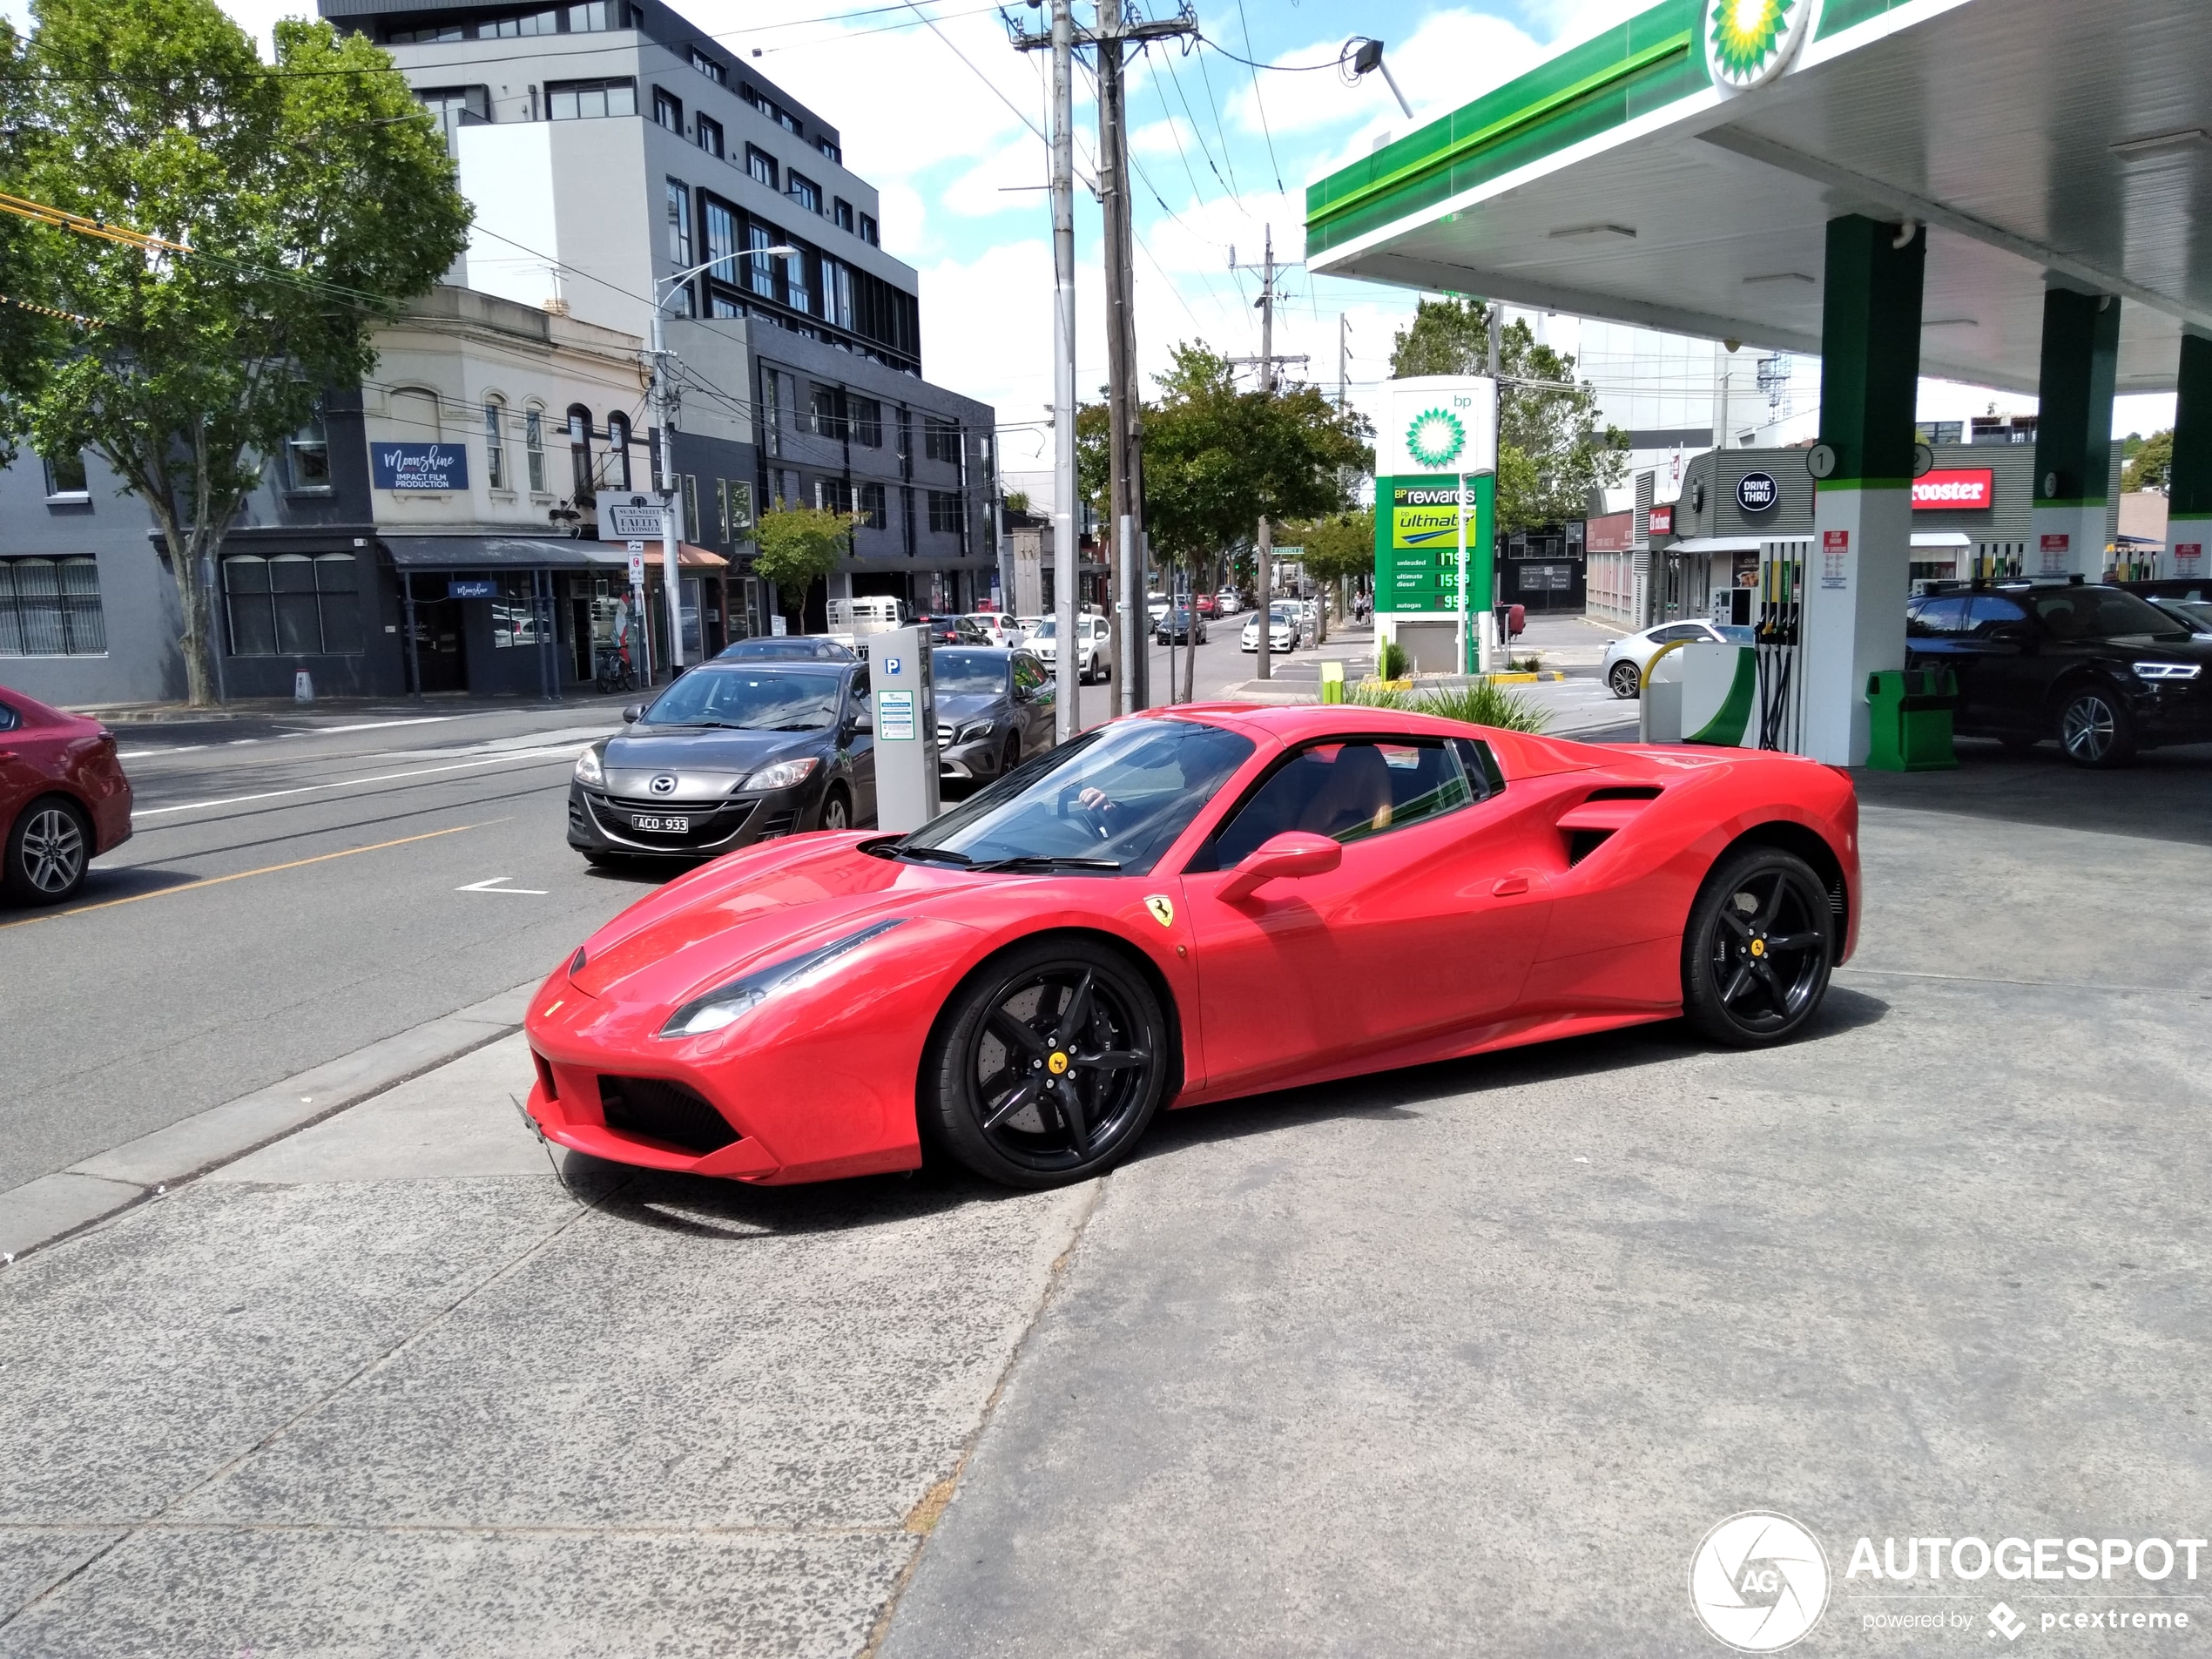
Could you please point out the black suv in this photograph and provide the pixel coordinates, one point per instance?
(2103, 671)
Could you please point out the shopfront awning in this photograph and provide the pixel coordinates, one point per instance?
(1941, 538)
(1696, 544)
(425, 553)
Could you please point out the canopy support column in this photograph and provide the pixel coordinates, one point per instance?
(1858, 577)
(2074, 433)
(2188, 491)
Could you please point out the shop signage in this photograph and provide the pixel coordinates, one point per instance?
(1748, 42)
(1954, 490)
(1438, 423)
(1663, 521)
(637, 516)
(1757, 492)
(1835, 556)
(2187, 553)
(1614, 533)
(420, 466)
(2055, 551)
(473, 587)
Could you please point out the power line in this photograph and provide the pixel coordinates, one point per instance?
(1207, 80)
(1258, 104)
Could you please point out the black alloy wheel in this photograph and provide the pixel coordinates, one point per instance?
(1624, 679)
(2095, 729)
(1759, 948)
(47, 851)
(1048, 1065)
(837, 812)
(1011, 757)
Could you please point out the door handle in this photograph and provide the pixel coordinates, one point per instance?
(1509, 885)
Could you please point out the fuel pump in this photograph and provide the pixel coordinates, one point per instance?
(1776, 632)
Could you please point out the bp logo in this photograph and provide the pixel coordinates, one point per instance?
(1748, 42)
(1758, 1581)
(1435, 438)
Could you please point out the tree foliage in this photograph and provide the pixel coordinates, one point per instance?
(2151, 466)
(315, 200)
(799, 546)
(1339, 546)
(1552, 453)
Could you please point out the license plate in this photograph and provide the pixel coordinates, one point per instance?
(674, 825)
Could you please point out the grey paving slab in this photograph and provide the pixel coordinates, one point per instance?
(32, 1559)
(304, 1595)
(139, 1359)
(694, 1353)
(57, 1203)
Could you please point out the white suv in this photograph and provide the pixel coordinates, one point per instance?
(1090, 638)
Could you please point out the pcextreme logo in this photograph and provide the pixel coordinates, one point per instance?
(1748, 43)
(1435, 438)
(1759, 1582)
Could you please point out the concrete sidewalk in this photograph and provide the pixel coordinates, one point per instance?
(1460, 1359)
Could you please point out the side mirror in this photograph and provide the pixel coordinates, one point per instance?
(1291, 855)
(860, 721)
(630, 713)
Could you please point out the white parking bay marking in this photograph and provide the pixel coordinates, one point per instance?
(492, 886)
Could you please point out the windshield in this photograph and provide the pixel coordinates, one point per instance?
(967, 673)
(1113, 798)
(2196, 613)
(1042, 629)
(2098, 613)
(763, 698)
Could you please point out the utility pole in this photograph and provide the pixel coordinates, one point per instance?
(665, 486)
(1343, 359)
(1126, 636)
(1267, 390)
(1067, 602)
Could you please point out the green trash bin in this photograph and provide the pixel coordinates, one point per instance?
(1909, 725)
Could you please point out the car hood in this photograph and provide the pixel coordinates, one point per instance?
(707, 752)
(950, 710)
(2197, 648)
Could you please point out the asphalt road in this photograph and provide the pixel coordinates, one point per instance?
(294, 890)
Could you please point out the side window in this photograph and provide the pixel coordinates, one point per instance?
(1348, 792)
(1989, 610)
(1028, 674)
(1933, 618)
(858, 698)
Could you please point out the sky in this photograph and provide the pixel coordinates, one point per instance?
(944, 117)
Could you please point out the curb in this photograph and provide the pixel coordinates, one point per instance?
(54, 1207)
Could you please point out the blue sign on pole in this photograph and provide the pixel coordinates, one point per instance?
(420, 466)
(473, 587)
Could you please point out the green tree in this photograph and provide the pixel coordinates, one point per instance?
(2151, 466)
(799, 546)
(315, 197)
(1552, 453)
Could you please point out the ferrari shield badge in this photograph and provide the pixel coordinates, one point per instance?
(1162, 908)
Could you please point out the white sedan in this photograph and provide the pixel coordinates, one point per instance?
(1282, 633)
(1628, 658)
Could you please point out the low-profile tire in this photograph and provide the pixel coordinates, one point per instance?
(1625, 680)
(1760, 947)
(1047, 1064)
(50, 847)
(2095, 729)
(1010, 756)
(836, 815)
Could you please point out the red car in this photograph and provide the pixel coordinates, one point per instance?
(1204, 602)
(1180, 907)
(64, 798)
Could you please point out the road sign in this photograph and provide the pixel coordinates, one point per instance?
(636, 566)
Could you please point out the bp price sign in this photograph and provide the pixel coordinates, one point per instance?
(1417, 543)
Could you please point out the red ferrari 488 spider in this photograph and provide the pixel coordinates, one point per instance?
(1181, 906)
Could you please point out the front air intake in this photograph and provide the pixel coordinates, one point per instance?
(661, 1110)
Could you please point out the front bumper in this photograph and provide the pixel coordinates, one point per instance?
(602, 822)
(978, 757)
(2174, 712)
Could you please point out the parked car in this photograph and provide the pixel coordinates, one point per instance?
(2103, 670)
(1090, 635)
(731, 754)
(992, 628)
(2195, 613)
(993, 707)
(1205, 604)
(1174, 627)
(788, 648)
(64, 798)
(1628, 658)
(875, 613)
(1229, 601)
(941, 630)
(1282, 631)
(1155, 606)
(816, 1013)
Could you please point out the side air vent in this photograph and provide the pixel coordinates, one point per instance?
(661, 1110)
(1581, 843)
(1625, 792)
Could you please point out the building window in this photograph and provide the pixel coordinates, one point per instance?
(940, 440)
(691, 508)
(723, 306)
(66, 477)
(797, 295)
(721, 240)
(760, 165)
(708, 67)
(806, 193)
(944, 511)
(832, 495)
(761, 269)
(679, 224)
(580, 451)
(534, 447)
(868, 423)
(494, 443)
(293, 604)
(829, 147)
(537, 23)
(710, 135)
(837, 293)
(668, 110)
(431, 34)
(584, 100)
(841, 213)
(771, 419)
(872, 505)
(307, 454)
(825, 412)
(51, 608)
(868, 231)
(789, 123)
(455, 107)
(596, 17)
(617, 470)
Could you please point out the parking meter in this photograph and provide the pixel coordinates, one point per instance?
(906, 729)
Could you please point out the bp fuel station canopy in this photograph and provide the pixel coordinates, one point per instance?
(2001, 191)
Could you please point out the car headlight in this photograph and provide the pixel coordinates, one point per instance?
(783, 774)
(588, 770)
(2168, 671)
(974, 732)
(725, 1003)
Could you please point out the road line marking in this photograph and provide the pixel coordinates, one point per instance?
(153, 754)
(348, 783)
(267, 869)
(491, 884)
